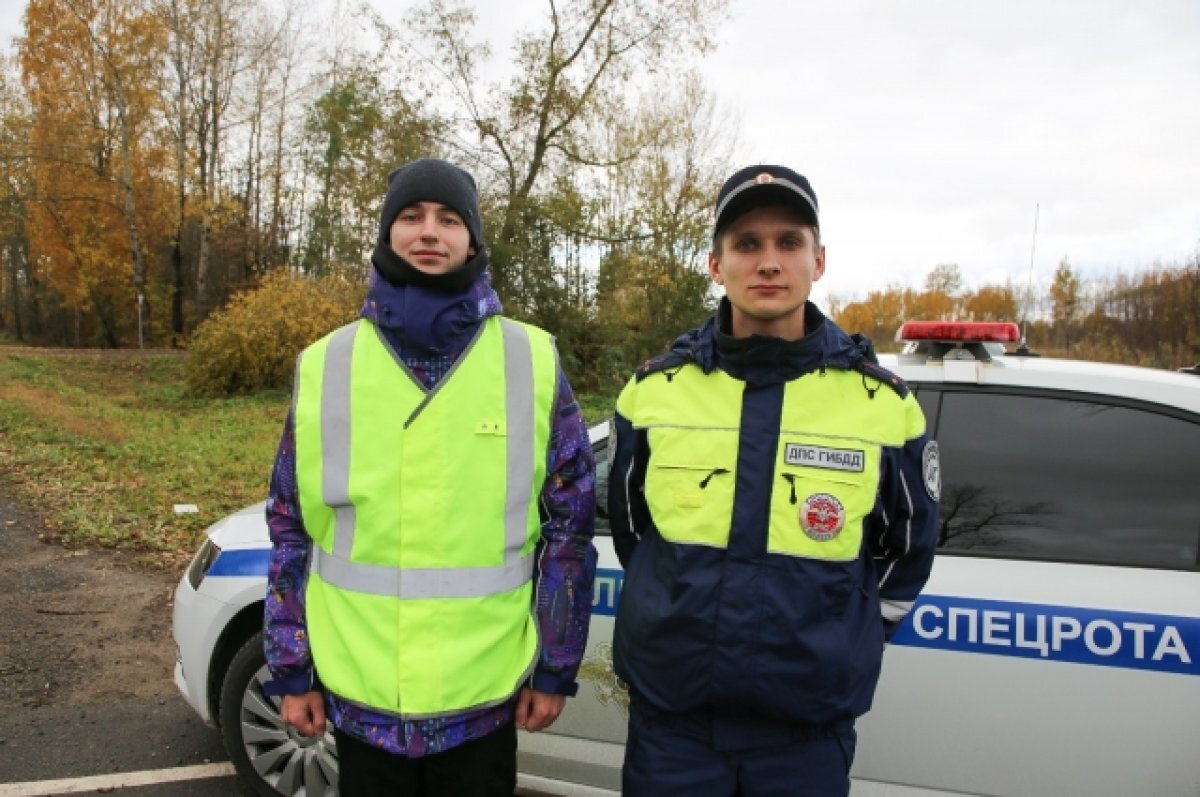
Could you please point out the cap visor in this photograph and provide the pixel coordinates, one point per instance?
(758, 196)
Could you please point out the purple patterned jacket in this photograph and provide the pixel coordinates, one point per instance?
(565, 558)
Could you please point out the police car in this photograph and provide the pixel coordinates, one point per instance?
(1054, 651)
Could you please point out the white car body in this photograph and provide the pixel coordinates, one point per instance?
(1011, 676)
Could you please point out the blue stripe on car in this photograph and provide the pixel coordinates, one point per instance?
(1102, 637)
(1107, 638)
(606, 595)
(241, 562)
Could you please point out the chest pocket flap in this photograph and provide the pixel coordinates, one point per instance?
(689, 484)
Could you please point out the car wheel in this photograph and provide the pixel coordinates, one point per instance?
(270, 757)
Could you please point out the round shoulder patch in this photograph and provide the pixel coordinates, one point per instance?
(822, 516)
(931, 470)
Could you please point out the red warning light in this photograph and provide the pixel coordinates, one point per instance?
(960, 331)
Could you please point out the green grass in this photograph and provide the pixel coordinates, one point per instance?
(101, 446)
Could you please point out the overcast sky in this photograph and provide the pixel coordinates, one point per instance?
(932, 129)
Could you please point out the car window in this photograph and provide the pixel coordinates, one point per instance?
(1068, 480)
(600, 451)
(928, 399)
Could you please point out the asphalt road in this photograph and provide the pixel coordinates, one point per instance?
(86, 677)
(86, 662)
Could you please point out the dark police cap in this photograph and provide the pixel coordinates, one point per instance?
(756, 186)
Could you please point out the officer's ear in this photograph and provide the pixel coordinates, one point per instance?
(714, 265)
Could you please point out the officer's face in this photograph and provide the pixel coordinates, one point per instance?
(431, 237)
(768, 260)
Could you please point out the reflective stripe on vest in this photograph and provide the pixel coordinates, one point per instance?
(827, 458)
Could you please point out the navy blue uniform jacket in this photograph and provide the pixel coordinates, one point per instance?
(741, 631)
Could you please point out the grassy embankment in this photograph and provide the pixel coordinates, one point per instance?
(101, 446)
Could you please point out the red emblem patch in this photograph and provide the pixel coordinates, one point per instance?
(822, 517)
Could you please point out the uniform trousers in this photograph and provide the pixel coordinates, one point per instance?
(484, 767)
(710, 754)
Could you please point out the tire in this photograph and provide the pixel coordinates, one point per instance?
(272, 759)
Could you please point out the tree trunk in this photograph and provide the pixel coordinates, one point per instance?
(177, 287)
(16, 261)
(129, 207)
(202, 269)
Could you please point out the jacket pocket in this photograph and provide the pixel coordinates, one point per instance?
(689, 484)
(818, 513)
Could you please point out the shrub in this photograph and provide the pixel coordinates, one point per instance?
(253, 341)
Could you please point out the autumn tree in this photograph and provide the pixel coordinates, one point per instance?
(17, 302)
(259, 180)
(878, 316)
(1151, 318)
(355, 133)
(882, 312)
(237, 45)
(855, 317)
(85, 65)
(564, 116)
(991, 303)
(939, 301)
(177, 86)
(127, 44)
(945, 279)
(654, 222)
(1065, 295)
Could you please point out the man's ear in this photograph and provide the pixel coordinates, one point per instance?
(470, 252)
(819, 271)
(714, 268)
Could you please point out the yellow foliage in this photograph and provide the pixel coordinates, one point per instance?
(95, 153)
(253, 341)
(856, 317)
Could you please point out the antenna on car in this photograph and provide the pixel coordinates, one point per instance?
(1022, 349)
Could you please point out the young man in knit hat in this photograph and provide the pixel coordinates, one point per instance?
(431, 511)
(773, 498)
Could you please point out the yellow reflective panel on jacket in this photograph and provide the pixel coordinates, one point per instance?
(827, 462)
(831, 439)
(423, 510)
(692, 428)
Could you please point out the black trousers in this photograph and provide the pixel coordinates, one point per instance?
(484, 767)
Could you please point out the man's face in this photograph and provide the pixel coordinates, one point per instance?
(431, 237)
(767, 260)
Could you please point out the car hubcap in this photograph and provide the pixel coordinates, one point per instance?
(289, 762)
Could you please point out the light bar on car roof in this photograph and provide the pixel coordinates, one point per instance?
(960, 331)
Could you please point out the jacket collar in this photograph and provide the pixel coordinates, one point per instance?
(760, 358)
(427, 320)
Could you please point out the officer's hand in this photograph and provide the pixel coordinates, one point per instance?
(536, 710)
(305, 713)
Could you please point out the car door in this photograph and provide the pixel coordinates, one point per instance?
(585, 746)
(1054, 650)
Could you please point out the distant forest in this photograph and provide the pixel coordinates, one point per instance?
(1150, 318)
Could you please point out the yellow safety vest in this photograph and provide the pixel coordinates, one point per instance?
(827, 457)
(423, 510)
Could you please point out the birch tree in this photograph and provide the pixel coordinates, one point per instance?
(84, 65)
(565, 112)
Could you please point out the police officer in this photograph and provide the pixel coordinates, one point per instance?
(431, 514)
(773, 498)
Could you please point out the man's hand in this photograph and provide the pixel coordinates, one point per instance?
(536, 710)
(305, 713)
